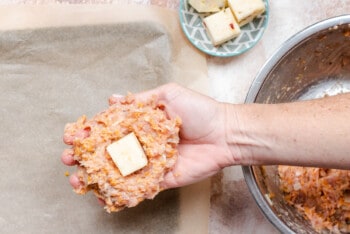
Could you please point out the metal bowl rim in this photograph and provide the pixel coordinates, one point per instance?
(253, 92)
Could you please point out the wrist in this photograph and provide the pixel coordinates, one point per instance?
(244, 138)
(232, 132)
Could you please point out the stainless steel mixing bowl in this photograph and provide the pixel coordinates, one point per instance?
(313, 63)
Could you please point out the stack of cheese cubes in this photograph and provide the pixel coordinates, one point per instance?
(228, 16)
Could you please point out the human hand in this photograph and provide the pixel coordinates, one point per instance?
(203, 150)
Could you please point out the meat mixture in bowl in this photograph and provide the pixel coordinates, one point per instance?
(157, 133)
(321, 195)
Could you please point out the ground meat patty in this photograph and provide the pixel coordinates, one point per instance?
(158, 135)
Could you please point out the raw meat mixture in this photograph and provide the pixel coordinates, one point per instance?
(157, 134)
(321, 195)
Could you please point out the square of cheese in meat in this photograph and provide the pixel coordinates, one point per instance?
(127, 154)
(203, 6)
(221, 26)
(246, 10)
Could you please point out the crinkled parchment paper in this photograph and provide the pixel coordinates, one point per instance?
(59, 62)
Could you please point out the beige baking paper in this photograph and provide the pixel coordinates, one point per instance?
(58, 62)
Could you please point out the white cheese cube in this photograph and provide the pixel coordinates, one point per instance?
(221, 26)
(203, 6)
(127, 154)
(246, 10)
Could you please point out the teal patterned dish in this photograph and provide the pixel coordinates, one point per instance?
(251, 33)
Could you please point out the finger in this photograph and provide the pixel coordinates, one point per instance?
(101, 201)
(175, 178)
(115, 98)
(170, 181)
(143, 96)
(163, 93)
(67, 157)
(80, 134)
(68, 139)
(75, 182)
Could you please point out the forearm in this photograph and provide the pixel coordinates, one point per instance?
(312, 133)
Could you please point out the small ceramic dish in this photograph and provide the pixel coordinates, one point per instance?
(251, 33)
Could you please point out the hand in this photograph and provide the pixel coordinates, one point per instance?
(203, 150)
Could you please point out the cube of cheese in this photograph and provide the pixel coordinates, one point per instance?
(127, 154)
(221, 26)
(203, 6)
(246, 10)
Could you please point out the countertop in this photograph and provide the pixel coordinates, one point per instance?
(232, 209)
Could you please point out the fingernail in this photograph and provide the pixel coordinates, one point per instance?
(117, 96)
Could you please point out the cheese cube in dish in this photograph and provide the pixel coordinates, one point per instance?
(246, 10)
(221, 26)
(127, 154)
(206, 6)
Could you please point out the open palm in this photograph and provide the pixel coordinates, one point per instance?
(203, 149)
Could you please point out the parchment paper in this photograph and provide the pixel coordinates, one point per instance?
(59, 62)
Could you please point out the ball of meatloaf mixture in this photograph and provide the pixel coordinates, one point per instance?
(157, 134)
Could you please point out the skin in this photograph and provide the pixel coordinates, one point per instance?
(215, 135)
